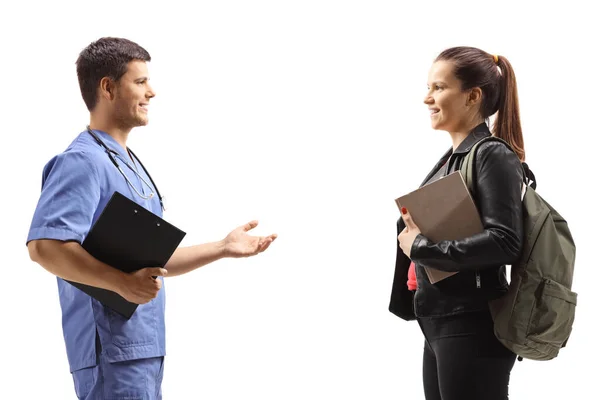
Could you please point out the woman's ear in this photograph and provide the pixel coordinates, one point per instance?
(474, 96)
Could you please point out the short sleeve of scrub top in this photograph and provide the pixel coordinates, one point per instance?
(69, 199)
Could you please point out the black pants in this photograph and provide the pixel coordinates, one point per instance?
(463, 360)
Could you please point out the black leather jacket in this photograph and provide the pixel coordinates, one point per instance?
(481, 259)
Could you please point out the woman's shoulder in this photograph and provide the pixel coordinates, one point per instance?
(497, 156)
(496, 150)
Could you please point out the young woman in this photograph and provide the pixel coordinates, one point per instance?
(462, 358)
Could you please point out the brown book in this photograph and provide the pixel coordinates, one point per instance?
(443, 210)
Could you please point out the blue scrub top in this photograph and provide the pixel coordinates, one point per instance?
(76, 185)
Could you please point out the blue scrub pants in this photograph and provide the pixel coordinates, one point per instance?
(126, 380)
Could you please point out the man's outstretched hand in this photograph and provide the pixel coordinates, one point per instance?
(239, 243)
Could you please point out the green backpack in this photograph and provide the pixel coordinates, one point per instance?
(535, 317)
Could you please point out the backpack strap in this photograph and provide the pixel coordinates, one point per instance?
(529, 176)
(467, 168)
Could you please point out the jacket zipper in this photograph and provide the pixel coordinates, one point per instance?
(478, 280)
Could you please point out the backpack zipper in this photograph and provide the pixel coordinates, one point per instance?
(478, 280)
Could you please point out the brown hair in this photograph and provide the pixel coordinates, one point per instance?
(476, 68)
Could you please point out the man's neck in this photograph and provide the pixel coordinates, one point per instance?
(119, 133)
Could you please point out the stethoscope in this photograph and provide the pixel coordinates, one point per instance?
(111, 153)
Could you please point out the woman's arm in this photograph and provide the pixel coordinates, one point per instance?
(498, 195)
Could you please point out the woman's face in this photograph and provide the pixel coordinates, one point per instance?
(451, 109)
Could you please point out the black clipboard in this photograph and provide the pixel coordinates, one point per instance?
(128, 237)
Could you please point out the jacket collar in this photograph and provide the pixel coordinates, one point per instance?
(478, 133)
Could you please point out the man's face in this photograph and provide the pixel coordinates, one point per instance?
(132, 95)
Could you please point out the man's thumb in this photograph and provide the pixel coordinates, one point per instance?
(157, 272)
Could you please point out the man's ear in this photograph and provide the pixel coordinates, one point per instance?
(474, 97)
(107, 88)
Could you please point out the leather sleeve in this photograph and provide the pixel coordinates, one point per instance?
(498, 177)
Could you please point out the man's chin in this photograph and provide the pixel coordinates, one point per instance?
(141, 121)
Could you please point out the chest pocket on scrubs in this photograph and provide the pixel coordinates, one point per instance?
(138, 330)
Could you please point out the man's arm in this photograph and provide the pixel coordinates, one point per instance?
(70, 261)
(237, 244)
(187, 259)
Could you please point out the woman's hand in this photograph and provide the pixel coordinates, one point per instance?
(407, 237)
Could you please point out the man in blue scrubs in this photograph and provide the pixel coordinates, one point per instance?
(110, 356)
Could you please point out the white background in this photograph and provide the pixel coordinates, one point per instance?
(307, 116)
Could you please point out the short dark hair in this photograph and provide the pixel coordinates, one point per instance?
(106, 57)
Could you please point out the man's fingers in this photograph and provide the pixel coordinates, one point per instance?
(250, 225)
(270, 238)
(265, 242)
(157, 271)
(265, 245)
